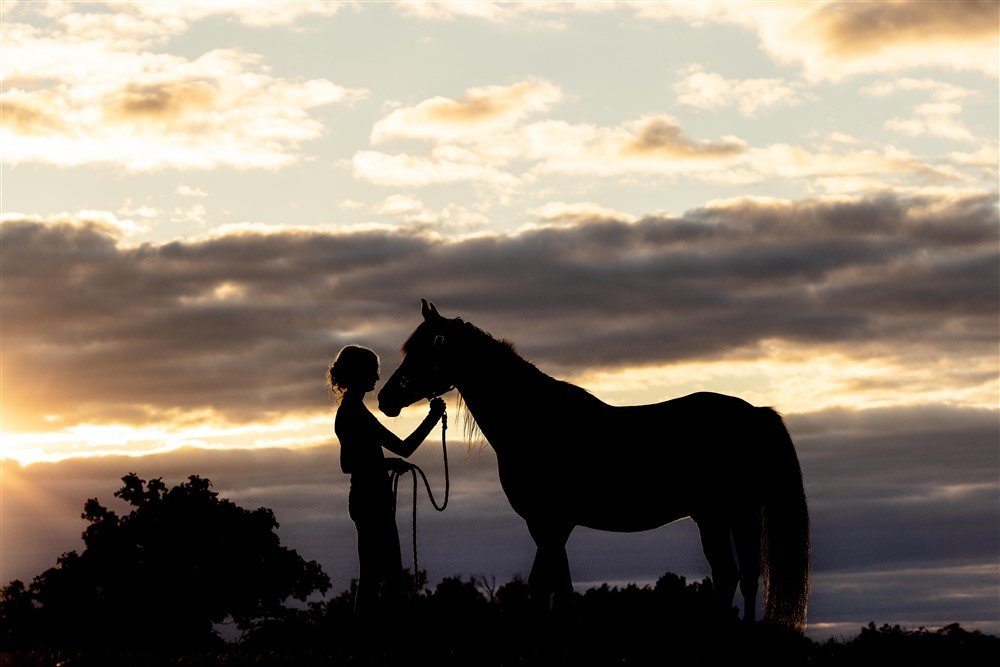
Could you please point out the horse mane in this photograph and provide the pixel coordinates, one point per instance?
(474, 438)
(505, 353)
(500, 351)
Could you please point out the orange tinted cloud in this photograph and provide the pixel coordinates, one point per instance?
(486, 108)
(855, 29)
(28, 114)
(661, 136)
(834, 40)
(90, 91)
(169, 101)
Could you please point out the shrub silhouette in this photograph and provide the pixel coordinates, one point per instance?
(160, 576)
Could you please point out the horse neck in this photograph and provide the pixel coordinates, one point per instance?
(493, 381)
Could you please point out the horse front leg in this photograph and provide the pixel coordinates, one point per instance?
(550, 582)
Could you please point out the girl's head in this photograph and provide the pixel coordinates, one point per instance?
(354, 368)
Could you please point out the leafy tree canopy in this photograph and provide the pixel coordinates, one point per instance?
(181, 560)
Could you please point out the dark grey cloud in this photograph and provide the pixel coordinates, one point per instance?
(904, 506)
(244, 322)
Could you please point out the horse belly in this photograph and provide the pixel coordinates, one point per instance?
(621, 508)
(627, 494)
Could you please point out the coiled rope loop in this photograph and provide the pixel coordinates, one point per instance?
(414, 470)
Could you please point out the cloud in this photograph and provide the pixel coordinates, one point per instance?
(940, 90)
(145, 21)
(543, 15)
(404, 170)
(804, 377)
(484, 137)
(406, 208)
(650, 143)
(188, 191)
(563, 213)
(195, 214)
(159, 103)
(796, 162)
(937, 119)
(483, 109)
(248, 12)
(835, 40)
(854, 31)
(472, 137)
(708, 90)
(30, 113)
(829, 40)
(413, 212)
(987, 156)
(903, 505)
(661, 136)
(450, 10)
(488, 138)
(656, 145)
(77, 96)
(241, 321)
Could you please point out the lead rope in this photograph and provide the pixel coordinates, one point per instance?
(414, 471)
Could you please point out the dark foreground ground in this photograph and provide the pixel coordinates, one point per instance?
(571, 645)
(563, 643)
(468, 623)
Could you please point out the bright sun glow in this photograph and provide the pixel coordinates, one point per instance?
(798, 379)
(83, 440)
(790, 378)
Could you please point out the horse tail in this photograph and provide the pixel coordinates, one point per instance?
(785, 547)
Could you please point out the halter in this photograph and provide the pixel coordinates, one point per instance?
(436, 389)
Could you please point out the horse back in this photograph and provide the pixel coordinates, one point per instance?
(679, 428)
(635, 467)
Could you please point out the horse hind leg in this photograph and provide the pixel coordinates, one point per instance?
(718, 548)
(550, 581)
(747, 537)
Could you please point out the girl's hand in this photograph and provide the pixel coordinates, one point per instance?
(397, 465)
(437, 407)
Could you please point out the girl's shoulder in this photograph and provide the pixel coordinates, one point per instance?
(353, 412)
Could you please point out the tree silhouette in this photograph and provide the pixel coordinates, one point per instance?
(160, 576)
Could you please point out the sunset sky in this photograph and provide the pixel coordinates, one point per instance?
(795, 203)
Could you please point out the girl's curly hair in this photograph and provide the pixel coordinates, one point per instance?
(350, 367)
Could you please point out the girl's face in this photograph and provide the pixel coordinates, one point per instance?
(371, 377)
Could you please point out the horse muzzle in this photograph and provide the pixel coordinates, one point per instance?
(389, 407)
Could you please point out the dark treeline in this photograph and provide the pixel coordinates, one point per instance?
(471, 622)
(152, 586)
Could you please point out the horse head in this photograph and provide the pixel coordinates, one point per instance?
(425, 371)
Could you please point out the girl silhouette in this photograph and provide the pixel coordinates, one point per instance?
(353, 374)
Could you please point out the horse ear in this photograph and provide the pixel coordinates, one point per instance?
(428, 310)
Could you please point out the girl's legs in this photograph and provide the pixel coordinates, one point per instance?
(366, 597)
(380, 578)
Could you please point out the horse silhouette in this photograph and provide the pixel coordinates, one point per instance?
(568, 459)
